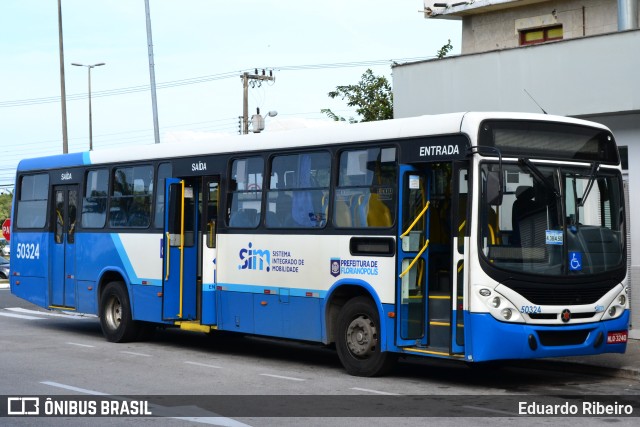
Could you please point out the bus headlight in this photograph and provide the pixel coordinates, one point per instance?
(501, 308)
(617, 307)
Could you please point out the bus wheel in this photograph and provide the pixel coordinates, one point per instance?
(358, 340)
(115, 314)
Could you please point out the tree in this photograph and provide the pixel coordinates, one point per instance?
(372, 98)
(5, 206)
(372, 95)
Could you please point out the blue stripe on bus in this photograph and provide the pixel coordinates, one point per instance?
(58, 161)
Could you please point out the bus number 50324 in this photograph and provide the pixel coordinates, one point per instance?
(28, 251)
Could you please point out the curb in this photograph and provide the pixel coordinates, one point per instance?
(580, 368)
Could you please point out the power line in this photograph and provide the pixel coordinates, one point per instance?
(204, 79)
(112, 92)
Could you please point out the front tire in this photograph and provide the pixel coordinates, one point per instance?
(116, 319)
(358, 340)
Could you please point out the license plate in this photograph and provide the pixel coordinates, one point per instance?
(617, 337)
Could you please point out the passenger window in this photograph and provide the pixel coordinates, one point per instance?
(59, 219)
(211, 213)
(32, 202)
(366, 192)
(245, 195)
(164, 172)
(94, 202)
(298, 194)
(130, 204)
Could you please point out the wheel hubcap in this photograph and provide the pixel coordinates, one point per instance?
(114, 313)
(362, 337)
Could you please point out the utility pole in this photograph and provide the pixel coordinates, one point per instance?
(63, 92)
(253, 79)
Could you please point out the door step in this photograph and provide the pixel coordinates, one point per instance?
(439, 320)
(432, 351)
(195, 326)
(62, 307)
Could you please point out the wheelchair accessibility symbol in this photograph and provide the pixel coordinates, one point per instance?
(575, 261)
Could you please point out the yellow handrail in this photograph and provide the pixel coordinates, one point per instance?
(415, 259)
(415, 221)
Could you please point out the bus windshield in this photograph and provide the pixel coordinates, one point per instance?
(554, 220)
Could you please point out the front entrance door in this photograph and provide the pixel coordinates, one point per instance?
(63, 259)
(431, 270)
(413, 258)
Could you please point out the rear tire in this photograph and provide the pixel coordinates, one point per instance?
(358, 340)
(116, 319)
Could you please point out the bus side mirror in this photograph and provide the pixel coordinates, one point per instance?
(494, 188)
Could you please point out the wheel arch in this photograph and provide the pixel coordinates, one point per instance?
(108, 276)
(338, 295)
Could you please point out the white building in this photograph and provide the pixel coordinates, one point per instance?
(577, 58)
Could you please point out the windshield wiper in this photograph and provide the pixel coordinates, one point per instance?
(537, 173)
(592, 177)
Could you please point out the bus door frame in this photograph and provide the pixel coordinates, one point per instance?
(209, 249)
(457, 255)
(408, 252)
(179, 296)
(62, 291)
(460, 255)
(190, 276)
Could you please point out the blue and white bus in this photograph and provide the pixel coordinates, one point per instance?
(470, 236)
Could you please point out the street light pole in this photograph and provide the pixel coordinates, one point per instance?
(89, 67)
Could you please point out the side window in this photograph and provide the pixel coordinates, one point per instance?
(164, 172)
(130, 204)
(211, 213)
(32, 202)
(94, 202)
(298, 194)
(59, 216)
(366, 192)
(73, 216)
(245, 193)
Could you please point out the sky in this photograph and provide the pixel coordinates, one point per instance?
(201, 48)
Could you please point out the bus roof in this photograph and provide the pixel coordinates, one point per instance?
(332, 133)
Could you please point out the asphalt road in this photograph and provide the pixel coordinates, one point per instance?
(50, 354)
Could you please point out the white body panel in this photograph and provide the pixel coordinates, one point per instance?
(301, 263)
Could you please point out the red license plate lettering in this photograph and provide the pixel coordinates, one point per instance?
(617, 337)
